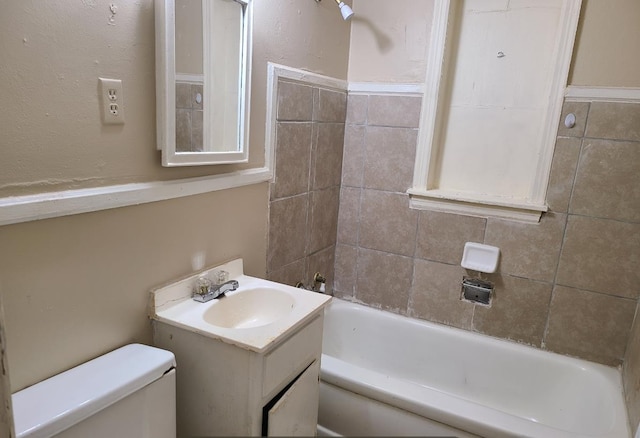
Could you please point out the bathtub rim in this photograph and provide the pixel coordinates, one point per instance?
(332, 371)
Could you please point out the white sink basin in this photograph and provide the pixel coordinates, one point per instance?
(256, 316)
(248, 308)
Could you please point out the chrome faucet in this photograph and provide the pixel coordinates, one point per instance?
(205, 291)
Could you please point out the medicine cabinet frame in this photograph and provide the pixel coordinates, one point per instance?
(166, 91)
(425, 192)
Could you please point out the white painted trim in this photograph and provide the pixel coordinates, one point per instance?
(428, 149)
(563, 52)
(166, 93)
(306, 77)
(431, 118)
(17, 209)
(385, 88)
(454, 203)
(190, 78)
(165, 76)
(604, 94)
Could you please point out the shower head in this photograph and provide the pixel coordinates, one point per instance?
(345, 10)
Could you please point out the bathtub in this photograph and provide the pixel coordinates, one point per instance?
(385, 374)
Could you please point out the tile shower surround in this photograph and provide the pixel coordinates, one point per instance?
(304, 199)
(569, 284)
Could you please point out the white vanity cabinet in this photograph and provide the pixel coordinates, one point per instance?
(226, 389)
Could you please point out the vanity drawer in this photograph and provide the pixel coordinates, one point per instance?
(292, 356)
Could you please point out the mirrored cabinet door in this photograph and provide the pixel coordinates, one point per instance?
(203, 68)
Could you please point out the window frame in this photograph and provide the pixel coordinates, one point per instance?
(424, 193)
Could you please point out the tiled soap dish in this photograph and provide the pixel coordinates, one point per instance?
(479, 257)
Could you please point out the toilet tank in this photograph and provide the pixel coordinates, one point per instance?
(127, 393)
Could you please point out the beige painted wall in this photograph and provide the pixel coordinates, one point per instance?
(608, 44)
(388, 41)
(302, 34)
(53, 54)
(76, 287)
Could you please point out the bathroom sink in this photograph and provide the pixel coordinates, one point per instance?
(256, 316)
(247, 308)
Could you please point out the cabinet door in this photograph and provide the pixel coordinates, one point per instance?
(296, 413)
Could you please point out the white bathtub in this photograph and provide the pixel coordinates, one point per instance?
(385, 374)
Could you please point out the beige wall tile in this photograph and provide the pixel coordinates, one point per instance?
(528, 250)
(384, 279)
(353, 157)
(589, 325)
(441, 236)
(631, 374)
(389, 158)
(615, 121)
(295, 102)
(326, 156)
(387, 223)
(293, 157)
(323, 219)
(518, 311)
(322, 262)
(183, 130)
(349, 216)
(183, 95)
(580, 110)
(563, 171)
(329, 106)
(435, 295)
(287, 231)
(608, 180)
(357, 106)
(289, 274)
(601, 255)
(399, 111)
(197, 131)
(344, 284)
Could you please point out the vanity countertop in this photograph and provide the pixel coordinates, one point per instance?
(257, 316)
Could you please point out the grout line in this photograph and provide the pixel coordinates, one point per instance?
(603, 218)
(614, 140)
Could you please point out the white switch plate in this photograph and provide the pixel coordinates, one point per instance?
(111, 101)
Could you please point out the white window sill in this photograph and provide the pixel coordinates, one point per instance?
(476, 205)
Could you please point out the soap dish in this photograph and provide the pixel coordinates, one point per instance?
(480, 257)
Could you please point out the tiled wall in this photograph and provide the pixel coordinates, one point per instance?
(189, 118)
(568, 284)
(303, 210)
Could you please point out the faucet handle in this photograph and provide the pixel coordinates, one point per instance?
(203, 286)
(220, 277)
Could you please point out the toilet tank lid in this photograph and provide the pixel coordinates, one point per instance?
(55, 404)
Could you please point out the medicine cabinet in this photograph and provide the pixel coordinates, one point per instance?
(203, 64)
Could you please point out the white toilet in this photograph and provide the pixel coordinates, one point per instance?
(128, 393)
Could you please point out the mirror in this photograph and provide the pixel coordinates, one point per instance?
(202, 73)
